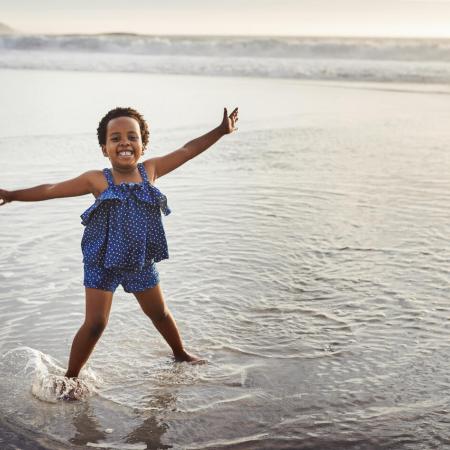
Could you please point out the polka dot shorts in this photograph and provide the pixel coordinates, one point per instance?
(109, 279)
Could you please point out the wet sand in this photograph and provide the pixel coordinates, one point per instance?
(308, 263)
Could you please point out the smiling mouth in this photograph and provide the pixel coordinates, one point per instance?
(125, 153)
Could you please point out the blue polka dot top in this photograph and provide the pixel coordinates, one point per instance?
(123, 228)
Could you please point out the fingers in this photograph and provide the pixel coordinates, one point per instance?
(230, 120)
(234, 114)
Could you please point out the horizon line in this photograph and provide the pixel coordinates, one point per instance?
(205, 35)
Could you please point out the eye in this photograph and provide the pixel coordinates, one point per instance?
(133, 138)
(115, 139)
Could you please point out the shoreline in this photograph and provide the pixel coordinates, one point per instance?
(240, 76)
(166, 100)
(387, 85)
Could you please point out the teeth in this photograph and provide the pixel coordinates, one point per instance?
(128, 153)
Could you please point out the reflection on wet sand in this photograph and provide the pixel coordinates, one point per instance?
(87, 427)
(150, 432)
(89, 431)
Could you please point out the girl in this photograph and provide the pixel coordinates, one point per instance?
(124, 236)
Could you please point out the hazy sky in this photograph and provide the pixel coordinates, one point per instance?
(232, 17)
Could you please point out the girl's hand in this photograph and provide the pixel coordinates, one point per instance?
(228, 124)
(5, 197)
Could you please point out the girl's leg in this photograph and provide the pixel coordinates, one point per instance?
(98, 306)
(153, 304)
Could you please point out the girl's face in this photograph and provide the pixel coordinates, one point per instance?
(123, 142)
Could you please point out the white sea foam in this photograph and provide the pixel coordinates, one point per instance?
(281, 47)
(117, 445)
(46, 376)
(407, 60)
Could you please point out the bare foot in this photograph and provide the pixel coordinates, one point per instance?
(69, 389)
(191, 359)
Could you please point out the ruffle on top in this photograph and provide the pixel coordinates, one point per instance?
(123, 228)
(122, 191)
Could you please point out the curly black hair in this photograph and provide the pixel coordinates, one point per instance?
(122, 112)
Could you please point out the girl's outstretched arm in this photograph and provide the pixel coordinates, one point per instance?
(80, 185)
(165, 164)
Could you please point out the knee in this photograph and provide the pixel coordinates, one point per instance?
(96, 327)
(160, 316)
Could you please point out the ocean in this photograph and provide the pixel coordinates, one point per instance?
(308, 251)
(301, 58)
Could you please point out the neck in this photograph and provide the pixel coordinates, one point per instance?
(125, 170)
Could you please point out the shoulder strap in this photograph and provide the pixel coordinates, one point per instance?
(109, 177)
(143, 172)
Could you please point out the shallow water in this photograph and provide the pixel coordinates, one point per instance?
(308, 263)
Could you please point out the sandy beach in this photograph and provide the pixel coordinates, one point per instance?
(308, 264)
